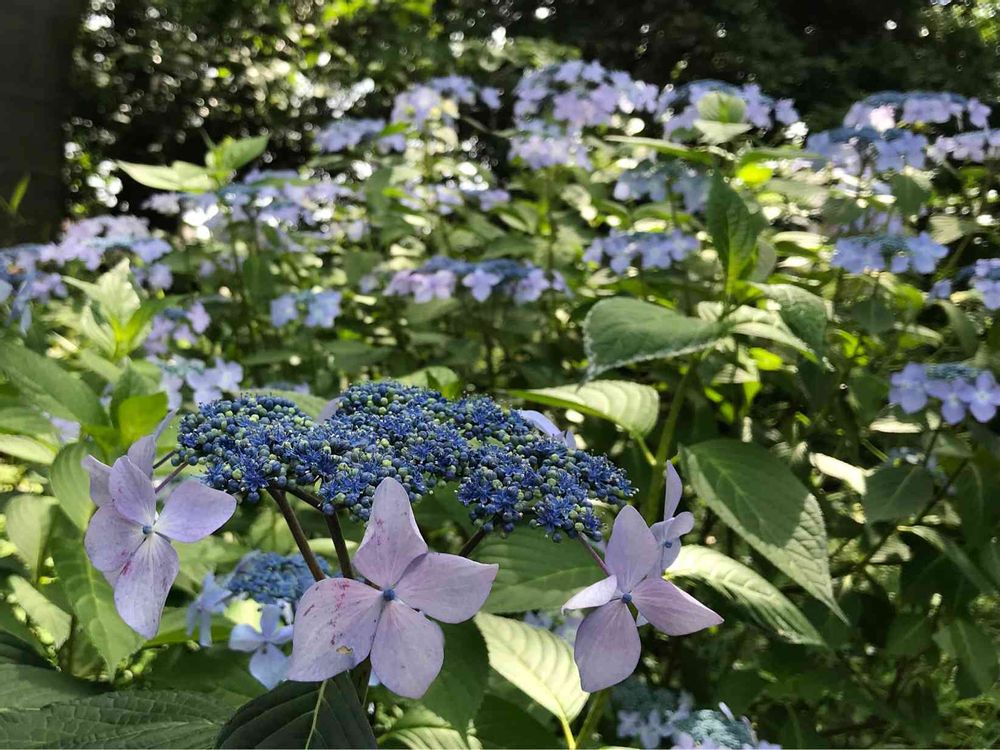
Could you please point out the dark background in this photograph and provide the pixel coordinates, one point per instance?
(149, 80)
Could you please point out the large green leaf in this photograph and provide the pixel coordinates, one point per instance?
(535, 661)
(632, 406)
(180, 176)
(26, 686)
(457, 692)
(802, 311)
(746, 588)
(212, 671)
(757, 496)
(733, 230)
(620, 331)
(420, 729)
(974, 650)
(502, 724)
(897, 492)
(29, 521)
(27, 449)
(71, 484)
(535, 572)
(957, 556)
(91, 599)
(41, 610)
(301, 714)
(126, 719)
(49, 386)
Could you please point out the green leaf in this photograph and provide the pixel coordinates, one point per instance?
(139, 415)
(974, 650)
(70, 484)
(47, 385)
(441, 379)
(719, 106)
(756, 323)
(536, 662)
(420, 729)
(502, 724)
(92, 600)
(954, 553)
(677, 150)
(962, 326)
(23, 420)
(24, 686)
(746, 588)
(734, 231)
(41, 611)
(126, 719)
(909, 635)
(212, 671)
(29, 521)
(756, 495)
(948, 228)
(535, 572)
(897, 492)
(620, 331)
(27, 449)
(113, 292)
(911, 192)
(301, 714)
(181, 176)
(802, 311)
(232, 154)
(873, 315)
(457, 692)
(631, 406)
(720, 132)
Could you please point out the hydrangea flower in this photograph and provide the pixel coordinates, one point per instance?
(210, 601)
(270, 578)
(341, 622)
(607, 642)
(654, 249)
(977, 146)
(268, 663)
(855, 149)
(888, 109)
(986, 280)
(674, 525)
(959, 388)
(438, 279)
(130, 542)
(210, 383)
(899, 254)
(679, 106)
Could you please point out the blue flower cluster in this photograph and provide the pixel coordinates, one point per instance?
(322, 308)
(887, 109)
(859, 150)
(898, 253)
(439, 277)
(507, 473)
(654, 249)
(656, 181)
(960, 388)
(761, 111)
(270, 578)
(976, 146)
(986, 280)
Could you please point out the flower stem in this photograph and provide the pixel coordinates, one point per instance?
(567, 733)
(170, 477)
(297, 533)
(593, 554)
(473, 542)
(594, 713)
(337, 535)
(653, 500)
(163, 460)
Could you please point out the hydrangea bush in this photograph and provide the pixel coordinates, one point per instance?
(399, 447)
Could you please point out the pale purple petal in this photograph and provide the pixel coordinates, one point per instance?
(143, 451)
(334, 627)
(540, 421)
(672, 492)
(329, 410)
(632, 549)
(408, 651)
(392, 540)
(671, 610)
(111, 539)
(595, 595)
(132, 492)
(269, 665)
(270, 620)
(100, 476)
(246, 638)
(142, 586)
(193, 511)
(448, 588)
(607, 646)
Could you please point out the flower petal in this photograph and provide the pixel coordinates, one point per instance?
(671, 610)
(632, 549)
(392, 540)
(132, 492)
(142, 586)
(334, 627)
(143, 451)
(111, 539)
(100, 475)
(269, 665)
(607, 646)
(538, 420)
(448, 588)
(408, 651)
(193, 511)
(270, 620)
(673, 491)
(595, 595)
(245, 637)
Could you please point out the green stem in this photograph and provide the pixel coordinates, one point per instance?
(567, 733)
(473, 542)
(594, 713)
(652, 508)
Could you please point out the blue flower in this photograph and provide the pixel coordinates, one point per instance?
(270, 578)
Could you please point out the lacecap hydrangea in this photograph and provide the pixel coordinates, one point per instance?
(442, 278)
(506, 472)
(880, 252)
(653, 249)
(960, 389)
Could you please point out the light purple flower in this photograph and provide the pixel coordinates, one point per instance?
(530, 288)
(268, 663)
(211, 601)
(130, 542)
(199, 318)
(607, 643)
(982, 397)
(547, 426)
(341, 621)
(322, 310)
(210, 383)
(437, 285)
(480, 284)
(909, 388)
(284, 310)
(159, 276)
(669, 531)
(947, 391)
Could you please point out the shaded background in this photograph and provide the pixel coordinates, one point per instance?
(85, 82)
